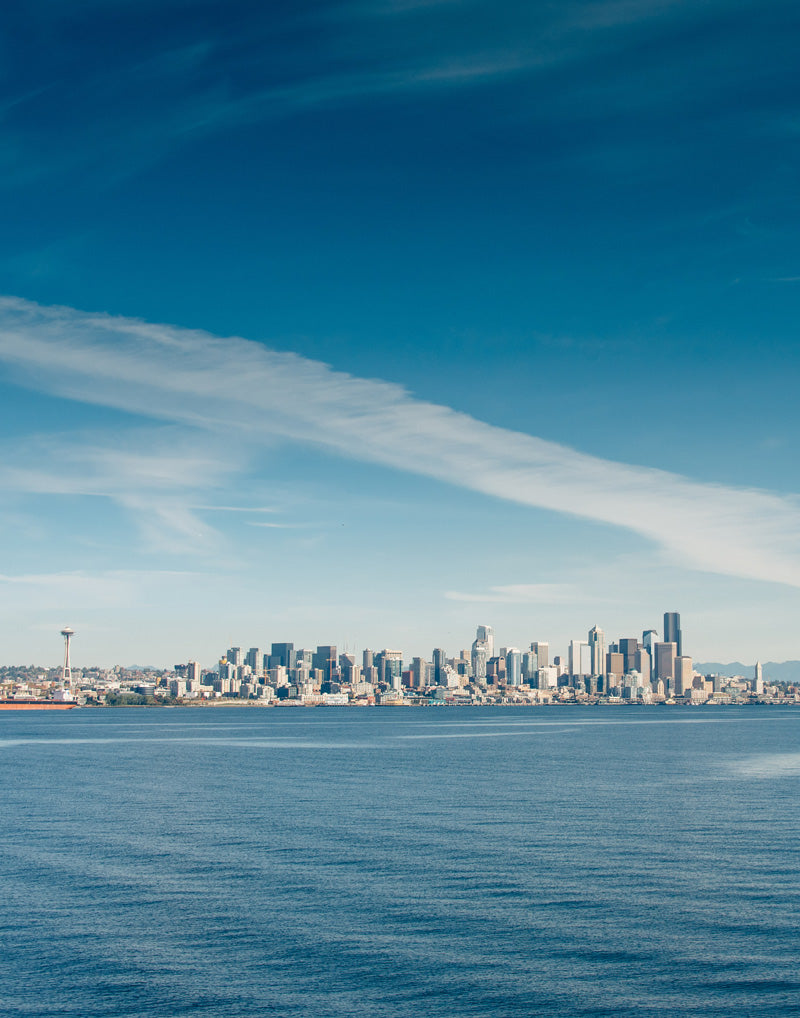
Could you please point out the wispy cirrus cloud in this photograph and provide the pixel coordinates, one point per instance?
(92, 602)
(254, 396)
(518, 593)
(117, 580)
(156, 474)
(278, 526)
(126, 108)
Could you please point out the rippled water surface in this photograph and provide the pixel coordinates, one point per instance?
(399, 862)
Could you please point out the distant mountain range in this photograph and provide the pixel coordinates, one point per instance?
(776, 671)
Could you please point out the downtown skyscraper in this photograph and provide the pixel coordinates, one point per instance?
(672, 631)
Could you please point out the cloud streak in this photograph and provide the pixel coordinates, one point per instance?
(518, 593)
(156, 474)
(253, 395)
(130, 109)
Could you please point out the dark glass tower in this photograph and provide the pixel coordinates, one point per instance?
(672, 630)
(284, 652)
(438, 666)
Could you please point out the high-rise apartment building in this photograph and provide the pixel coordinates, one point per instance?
(672, 631)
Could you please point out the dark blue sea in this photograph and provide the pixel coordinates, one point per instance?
(389, 862)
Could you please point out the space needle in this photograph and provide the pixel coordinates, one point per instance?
(66, 672)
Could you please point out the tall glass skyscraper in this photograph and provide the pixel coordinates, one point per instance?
(486, 636)
(479, 658)
(513, 667)
(438, 661)
(672, 631)
(597, 646)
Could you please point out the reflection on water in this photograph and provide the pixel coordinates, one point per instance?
(768, 765)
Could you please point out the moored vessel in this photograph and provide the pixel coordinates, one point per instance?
(31, 704)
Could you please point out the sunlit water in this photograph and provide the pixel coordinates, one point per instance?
(391, 862)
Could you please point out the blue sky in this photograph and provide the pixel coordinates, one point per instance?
(377, 321)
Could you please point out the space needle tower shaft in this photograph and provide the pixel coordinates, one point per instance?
(66, 672)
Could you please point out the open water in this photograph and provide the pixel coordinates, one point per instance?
(400, 862)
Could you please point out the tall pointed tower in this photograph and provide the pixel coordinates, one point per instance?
(66, 671)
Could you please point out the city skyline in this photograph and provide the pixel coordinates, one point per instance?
(633, 671)
(589, 657)
(361, 323)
